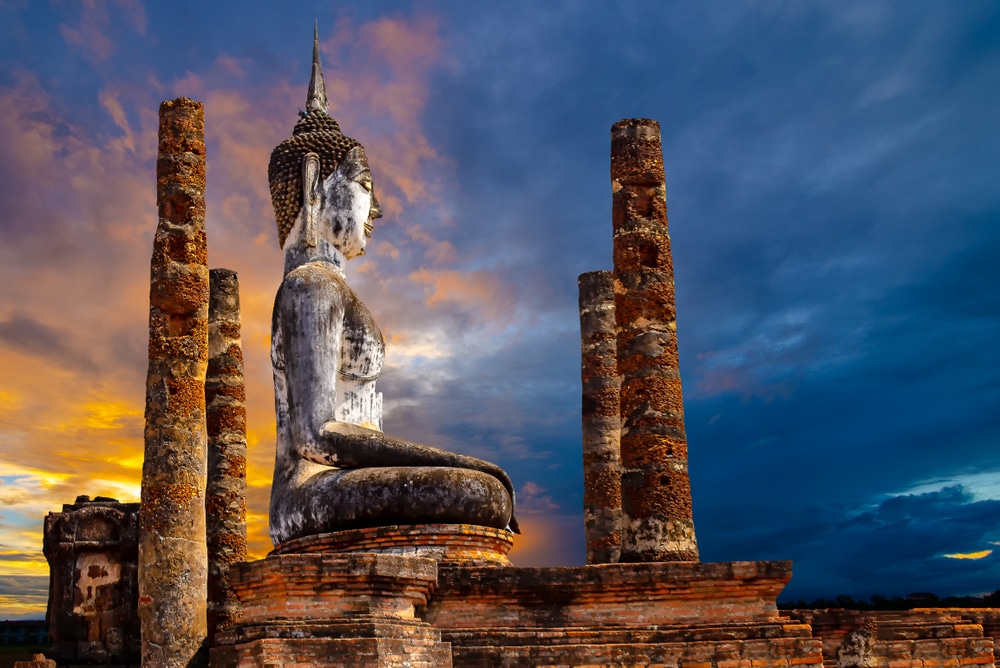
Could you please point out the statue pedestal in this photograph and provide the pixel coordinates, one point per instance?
(366, 609)
(332, 610)
(467, 544)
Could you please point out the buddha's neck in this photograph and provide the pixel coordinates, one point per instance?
(298, 254)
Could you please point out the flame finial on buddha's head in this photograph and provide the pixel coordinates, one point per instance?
(315, 132)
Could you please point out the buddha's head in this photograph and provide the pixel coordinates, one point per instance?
(321, 185)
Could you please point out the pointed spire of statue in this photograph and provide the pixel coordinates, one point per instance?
(316, 101)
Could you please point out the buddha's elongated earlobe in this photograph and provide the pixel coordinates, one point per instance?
(310, 197)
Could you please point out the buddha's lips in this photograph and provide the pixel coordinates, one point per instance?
(369, 228)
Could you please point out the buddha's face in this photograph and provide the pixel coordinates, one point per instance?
(348, 205)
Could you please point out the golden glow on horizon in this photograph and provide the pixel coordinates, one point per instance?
(45, 479)
(108, 414)
(14, 606)
(970, 555)
(14, 563)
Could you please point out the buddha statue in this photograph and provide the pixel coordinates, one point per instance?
(334, 469)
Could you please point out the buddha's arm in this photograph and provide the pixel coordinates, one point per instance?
(311, 320)
(360, 447)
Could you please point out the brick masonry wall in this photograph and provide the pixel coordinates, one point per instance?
(928, 637)
(637, 594)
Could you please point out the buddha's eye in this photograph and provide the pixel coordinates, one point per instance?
(365, 180)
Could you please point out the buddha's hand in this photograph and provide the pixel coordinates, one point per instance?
(353, 446)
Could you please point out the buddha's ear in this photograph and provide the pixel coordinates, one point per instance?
(310, 178)
(310, 196)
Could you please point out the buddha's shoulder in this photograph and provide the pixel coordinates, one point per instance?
(314, 276)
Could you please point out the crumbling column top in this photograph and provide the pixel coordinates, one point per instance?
(644, 128)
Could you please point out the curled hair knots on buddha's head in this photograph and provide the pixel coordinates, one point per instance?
(316, 132)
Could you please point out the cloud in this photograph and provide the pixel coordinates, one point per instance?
(969, 555)
(28, 336)
(532, 500)
(90, 33)
(937, 540)
(23, 596)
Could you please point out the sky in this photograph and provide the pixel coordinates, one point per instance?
(832, 187)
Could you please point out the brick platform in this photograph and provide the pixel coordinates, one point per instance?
(919, 638)
(447, 543)
(375, 609)
(683, 614)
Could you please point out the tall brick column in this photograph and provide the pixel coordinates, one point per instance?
(657, 524)
(173, 568)
(225, 398)
(602, 490)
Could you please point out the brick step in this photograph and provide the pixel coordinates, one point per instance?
(619, 655)
(779, 632)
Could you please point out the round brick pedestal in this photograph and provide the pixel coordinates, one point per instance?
(465, 544)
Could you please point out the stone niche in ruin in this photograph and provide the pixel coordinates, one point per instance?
(92, 547)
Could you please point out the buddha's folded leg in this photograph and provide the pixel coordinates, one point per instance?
(340, 499)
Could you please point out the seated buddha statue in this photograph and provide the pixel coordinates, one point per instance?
(334, 468)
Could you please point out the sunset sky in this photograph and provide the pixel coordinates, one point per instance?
(833, 186)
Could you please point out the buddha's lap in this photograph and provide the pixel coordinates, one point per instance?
(350, 498)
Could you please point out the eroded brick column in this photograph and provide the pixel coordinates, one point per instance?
(657, 524)
(173, 569)
(602, 492)
(225, 500)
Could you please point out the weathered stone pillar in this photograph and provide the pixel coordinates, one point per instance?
(225, 500)
(173, 568)
(657, 524)
(602, 490)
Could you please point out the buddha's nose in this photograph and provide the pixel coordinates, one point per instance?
(376, 210)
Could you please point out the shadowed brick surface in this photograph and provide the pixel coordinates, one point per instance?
(919, 638)
(226, 489)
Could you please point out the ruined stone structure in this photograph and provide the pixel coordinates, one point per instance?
(602, 489)
(173, 568)
(657, 523)
(225, 493)
(92, 550)
(918, 638)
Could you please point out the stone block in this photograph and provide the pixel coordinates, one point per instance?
(91, 547)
